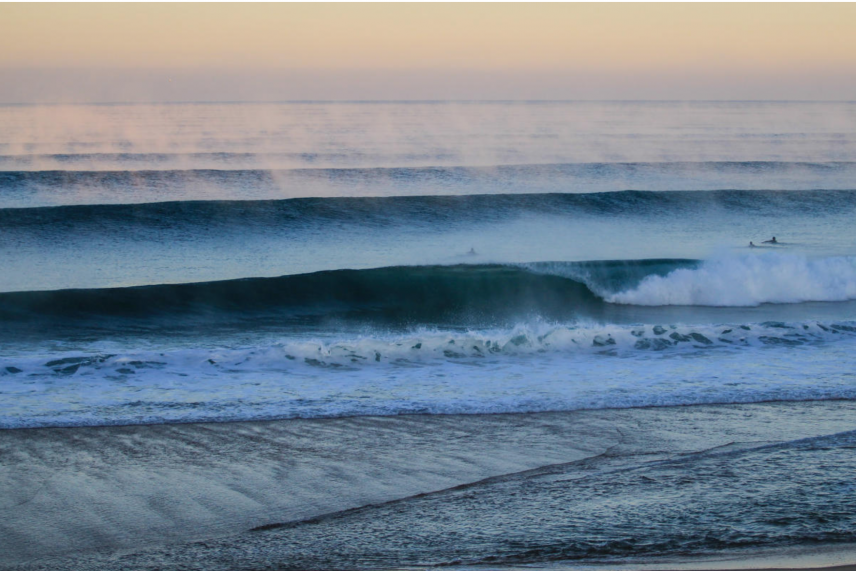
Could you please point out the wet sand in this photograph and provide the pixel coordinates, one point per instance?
(175, 496)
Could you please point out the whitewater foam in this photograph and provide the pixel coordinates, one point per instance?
(526, 368)
(424, 346)
(748, 280)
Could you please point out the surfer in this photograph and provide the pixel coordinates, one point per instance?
(771, 241)
(751, 245)
(472, 252)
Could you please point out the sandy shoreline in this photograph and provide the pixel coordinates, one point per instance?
(79, 497)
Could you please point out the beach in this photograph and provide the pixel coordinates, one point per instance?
(252, 494)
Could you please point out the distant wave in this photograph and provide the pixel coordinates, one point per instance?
(59, 185)
(103, 161)
(427, 210)
(352, 162)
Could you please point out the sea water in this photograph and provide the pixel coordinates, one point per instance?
(221, 262)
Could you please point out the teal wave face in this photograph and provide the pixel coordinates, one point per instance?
(403, 295)
(728, 289)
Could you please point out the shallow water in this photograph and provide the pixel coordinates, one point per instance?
(613, 488)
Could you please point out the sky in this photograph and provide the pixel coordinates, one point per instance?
(216, 52)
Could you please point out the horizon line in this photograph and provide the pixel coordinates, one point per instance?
(409, 101)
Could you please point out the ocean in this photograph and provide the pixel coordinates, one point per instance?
(183, 263)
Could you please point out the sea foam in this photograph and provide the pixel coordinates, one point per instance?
(748, 280)
(523, 369)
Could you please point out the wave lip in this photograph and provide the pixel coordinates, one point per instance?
(747, 280)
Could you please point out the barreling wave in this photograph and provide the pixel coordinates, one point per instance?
(417, 294)
(461, 294)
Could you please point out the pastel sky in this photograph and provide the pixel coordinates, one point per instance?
(117, 52)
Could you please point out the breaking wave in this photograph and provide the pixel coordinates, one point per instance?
(462, 294)
(748, 280)
(524, 368)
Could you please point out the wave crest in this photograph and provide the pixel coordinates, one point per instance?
(748, 280)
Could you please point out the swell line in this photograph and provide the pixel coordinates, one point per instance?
(57, 185)
(432, 209)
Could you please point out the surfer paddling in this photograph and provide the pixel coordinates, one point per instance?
(770, 241)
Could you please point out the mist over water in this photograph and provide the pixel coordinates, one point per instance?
(487, 134)
(283, 258)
